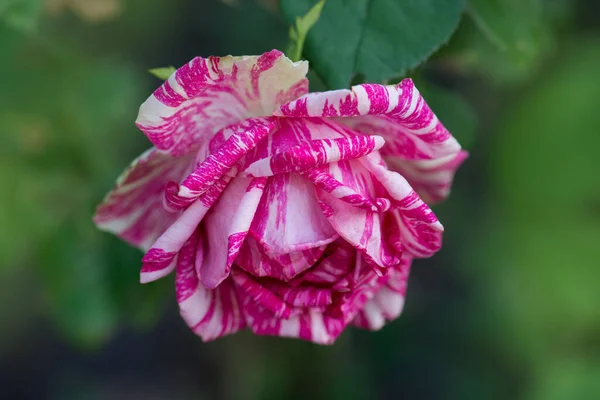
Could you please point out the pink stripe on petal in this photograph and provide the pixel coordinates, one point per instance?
(402, 105)
(315, 153)
(245, 136)
(288, 218)
(324, 179)
(165, 248)
(254, 259)
(226, 227)
(210, 313)
(322, 322)
(353, 213)
(432, 179)
(388, 301)
(260, 295)
(402, 117)
(420, 230)
(304, 296)
(151, 272)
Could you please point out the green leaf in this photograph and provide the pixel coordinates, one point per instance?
(163, 73)
(300, 29)
(377, 39)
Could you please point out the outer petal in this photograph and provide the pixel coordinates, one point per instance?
(418, 145)
(388, 302)
(209, 313)
(133, 209)
(401, 105)
(206, 95)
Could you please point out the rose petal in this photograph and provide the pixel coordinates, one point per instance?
(239, 139)
(288, 218)
(255, 260)
(402, 106)
(358, 225)
(226, 227)
(321, 324)
(315, 153)
(417, 144)
(432, 179)
(206, 95)
(209, 313)
(420, 230)
(388, 301)
(133, 209)
(259, 295)
(165, 248)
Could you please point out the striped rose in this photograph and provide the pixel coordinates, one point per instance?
(292, 213)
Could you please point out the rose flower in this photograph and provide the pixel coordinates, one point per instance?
(292, 213)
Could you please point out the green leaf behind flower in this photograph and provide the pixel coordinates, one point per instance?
(375, 39)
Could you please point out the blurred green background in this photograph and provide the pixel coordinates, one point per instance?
(510, 308)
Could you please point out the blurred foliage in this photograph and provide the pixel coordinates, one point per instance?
(547, 278)
(509, 307)
(21, 15)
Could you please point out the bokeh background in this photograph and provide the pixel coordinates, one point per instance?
(510, 308)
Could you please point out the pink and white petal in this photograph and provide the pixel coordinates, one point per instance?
(420, 230)
(166, 247)
(333, 268)
(316, 313)
(316, 324)
(302, 296)
(315, 153)
(253, 259)
(239, 139)
(226, 227)
(288, 218)
(311, 325)
(206, 95)
(297, 132)
(431, 179)
(260, 296)
(401, 106)
(209, 313)
(352, 302)
(358, 224)
(388, 301)
(325, 179)
(399, 114)
(133, 209)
